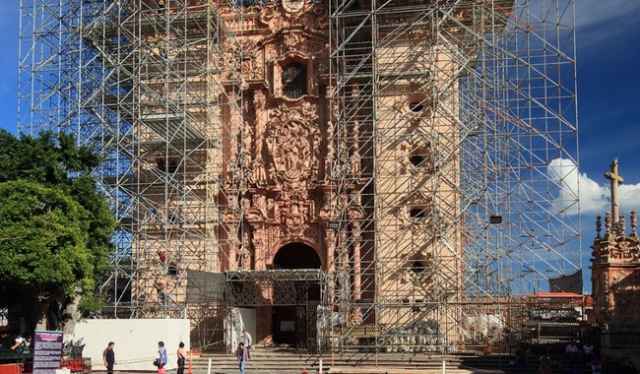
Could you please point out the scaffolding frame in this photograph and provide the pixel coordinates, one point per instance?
(455, 111)
(134, 80)
(147, 87)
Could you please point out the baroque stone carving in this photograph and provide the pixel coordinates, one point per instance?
(293, 6)
(293, 13)
(292, 140)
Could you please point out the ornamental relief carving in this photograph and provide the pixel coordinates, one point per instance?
(288, 13)
(292, 143)
(293, 6)
(623, 250)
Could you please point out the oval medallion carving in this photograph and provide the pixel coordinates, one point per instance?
(291, 146)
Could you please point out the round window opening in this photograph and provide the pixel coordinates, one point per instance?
(417, 159)
(416, 106)
(418, 213)
(418, 266)
(417, 103)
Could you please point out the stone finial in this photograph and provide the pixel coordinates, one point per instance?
(634, 223)
(607, 224)
(598, 227)
(616, 179)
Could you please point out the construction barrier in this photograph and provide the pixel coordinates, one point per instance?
(11, 369)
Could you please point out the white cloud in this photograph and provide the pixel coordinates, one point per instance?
(591, 13)
(594, 198)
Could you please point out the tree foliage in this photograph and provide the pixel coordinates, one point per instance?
(43, 233)
(55, 225)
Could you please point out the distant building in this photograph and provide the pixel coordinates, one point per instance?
(556, 316)
(616, 274)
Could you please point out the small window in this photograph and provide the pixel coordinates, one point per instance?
(294, 80)
(418, 213)
(422, 157)
(418, 266)
(417, 103)
(416, 309)
(416, 106)
(172, 269)
(495, 219)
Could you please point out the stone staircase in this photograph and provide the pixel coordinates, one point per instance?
(286, 361)
(282, 361)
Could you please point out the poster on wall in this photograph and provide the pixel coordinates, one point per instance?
(47, 352)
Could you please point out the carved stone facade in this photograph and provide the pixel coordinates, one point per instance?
(269, 171)
(616, 268)
(283, 146)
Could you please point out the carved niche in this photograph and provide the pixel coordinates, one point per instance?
(292, 141)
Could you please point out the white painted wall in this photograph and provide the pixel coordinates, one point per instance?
(136, 340)
(249, 321)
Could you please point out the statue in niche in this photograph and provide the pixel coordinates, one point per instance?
(261, 204)
(244, 255)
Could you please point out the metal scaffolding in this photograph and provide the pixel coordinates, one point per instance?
(445, 118)
(456, 110)
(135, 80)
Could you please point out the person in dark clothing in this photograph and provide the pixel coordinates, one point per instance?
(182, 357)
(109, 357)
(243, 356)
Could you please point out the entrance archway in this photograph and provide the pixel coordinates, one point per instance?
(296, 256)
(290, 318)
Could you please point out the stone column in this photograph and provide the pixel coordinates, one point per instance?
(357, 276)
(232, 129)
(330, 245)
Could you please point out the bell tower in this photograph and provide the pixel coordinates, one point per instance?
(616, 266)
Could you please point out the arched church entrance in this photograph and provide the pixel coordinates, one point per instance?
(296, 302)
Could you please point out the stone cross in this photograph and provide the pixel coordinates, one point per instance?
(616, 179)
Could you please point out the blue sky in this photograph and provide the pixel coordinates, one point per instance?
(608, 87)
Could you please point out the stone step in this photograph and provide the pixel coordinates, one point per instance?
(349, 357)
(334, 363)
(377, 370)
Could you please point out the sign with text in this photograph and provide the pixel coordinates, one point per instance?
(47, 352)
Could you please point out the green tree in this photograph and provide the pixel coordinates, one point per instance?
(55, 225)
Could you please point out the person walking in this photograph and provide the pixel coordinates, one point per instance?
(109, 357)
(182, 357)
(161, 361)
(247, 340)
(243, 357)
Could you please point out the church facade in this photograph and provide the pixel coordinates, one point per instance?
(265, 187)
